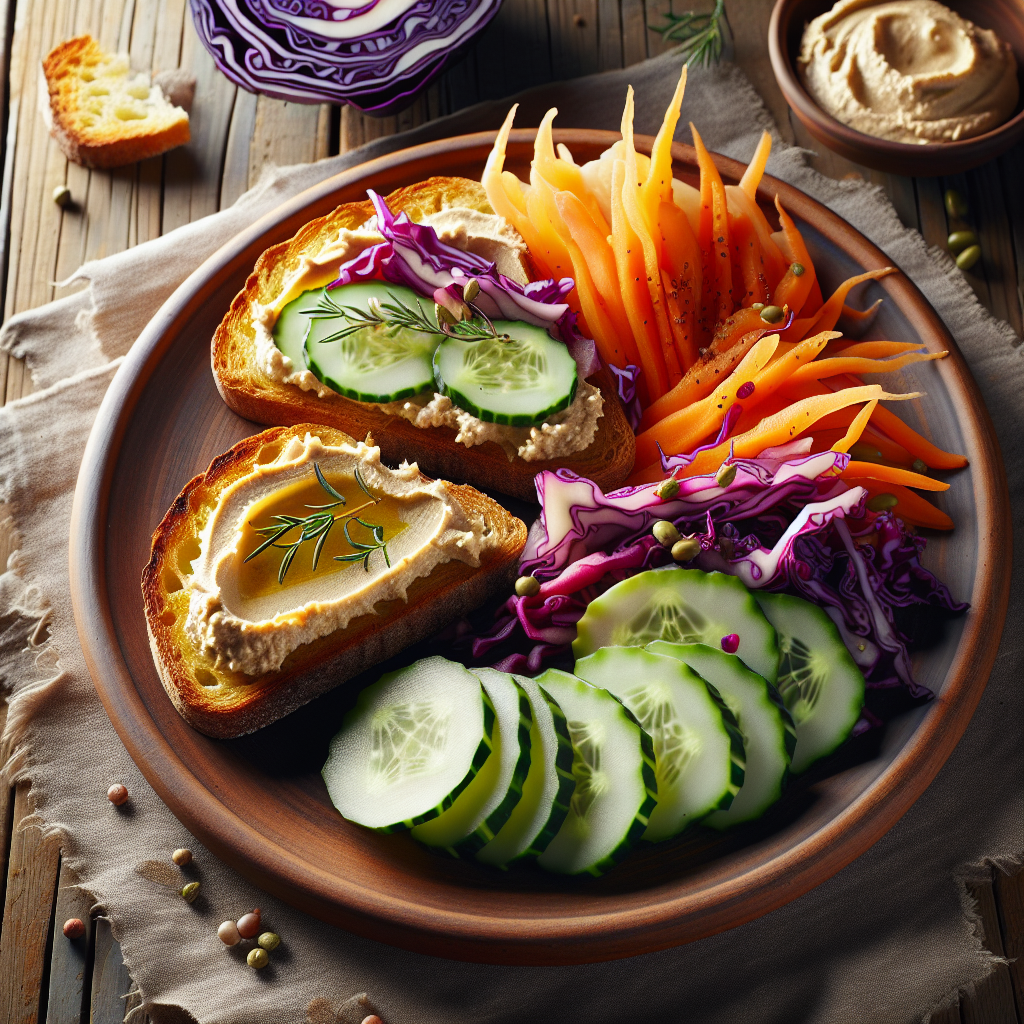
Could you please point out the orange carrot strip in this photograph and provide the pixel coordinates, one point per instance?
(859, 318)
(714, 238)
(747, 263)
(851, 364)
(774, 263)
(755, 169)
(657, 188)
(794, 288)
(774, 430)
(860, 421)
(681, 264)
(891, 475)
(683, 429)
(889, 452)
(910, 506)
(699, 381)
(730, 330)
(814, 302)
(829, 314)
(873, 349)
(636, 298)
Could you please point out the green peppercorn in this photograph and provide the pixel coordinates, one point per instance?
(956, 205)
(861, 452)
(797, 268)
(882, 502)
(919, 466)
(257, 958)
(269, 941)
(969, 257)
(527, 586)
(725, 475)
(190, 892)
(471, 289)
(686, 549)
(665, 533)
(772, 314)
(757, 305)
(668, 489)
(62, 196)
(960, 240)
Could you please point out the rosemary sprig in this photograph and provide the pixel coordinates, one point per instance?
(317, 526)
(699, 36)
(397, 314)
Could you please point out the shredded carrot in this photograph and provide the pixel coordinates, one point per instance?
(713, 236)
(774, 262)
(755, 169)
(829, 314)
(814, 302)
(909, 506)
(699, 381)
(657, 189)
(858, 319)
(794, 288)
(771, 431)
(860, 421)
(747, 263)
(682, 280)
(888, 452)
(891, 475)
(871, 349)
(822, 368)
(683, 429)
(730, 330)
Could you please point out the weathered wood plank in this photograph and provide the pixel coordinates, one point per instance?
(976, 276)
(931, 213)
(992, 999)
(514, 52)
(71, 958)
(1011, 171)
(110, 979)
(573, 26)
(28, 907)
(286, 133)
(1009, 895)
(748, 22)
(634, 32)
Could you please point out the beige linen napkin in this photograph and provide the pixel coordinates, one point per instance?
(886, 939)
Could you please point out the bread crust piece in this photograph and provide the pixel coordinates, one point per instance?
(608, 461)
(127, 142)
(225, 704)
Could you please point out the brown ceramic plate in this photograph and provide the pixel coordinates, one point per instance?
(1004, 17)
(259, 803)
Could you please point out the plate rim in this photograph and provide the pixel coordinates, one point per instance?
(534, 940)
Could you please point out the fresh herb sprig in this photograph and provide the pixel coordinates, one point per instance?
(397, 314)
(699, 37)
(317, 526)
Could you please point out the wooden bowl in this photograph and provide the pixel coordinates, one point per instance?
(259, 802)
(789, 17)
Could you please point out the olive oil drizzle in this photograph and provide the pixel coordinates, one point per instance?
(317, 525)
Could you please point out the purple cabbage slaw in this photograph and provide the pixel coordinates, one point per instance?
(785, 523)
(413, 255)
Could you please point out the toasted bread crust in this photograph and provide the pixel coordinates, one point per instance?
(224, 704)
(608, 460)
(106, 145)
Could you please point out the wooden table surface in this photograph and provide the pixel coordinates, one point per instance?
(234, 134)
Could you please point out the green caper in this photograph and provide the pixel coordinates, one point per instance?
(527, 586)
(757, 305)
(444, 315)
(919, 466)
(725, 475)
(257, 958)
(686, 549)
(956, 205)
(269, 941)
(797, 268)
(882, 502)
(62, 196)
(772, 314)
(471, 289)
(190, 892)
(665, 533)
(969, 257)
(861, 452)
(960, 240)
(668, 489)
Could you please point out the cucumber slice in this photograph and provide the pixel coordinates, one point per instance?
(698, 749)
(517, 382)
(768, 733)
(818, 679)
(291, 328)
(484, 806)
(374, 364)
(416, 739)
(683, 606)
(616, 789)
(547, 789)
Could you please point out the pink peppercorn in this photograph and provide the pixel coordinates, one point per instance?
(117, 794)
(731, 643)
(74, 928)
(745, 390)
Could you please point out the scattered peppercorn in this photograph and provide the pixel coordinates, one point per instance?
(257, 958)
(269, 941)
(960, 240)
(471, 289)
(919, 466)
(228, 933)
(527, 586)
(725, 475)
(117, 794)
(249, 924)
(882, 502)
(62, 196)
(772, 314)
(372, 1019)
(797, 268)
(74, 928)
(190, 892)
(686, 549)
(668, 489)
(731, 643)
(956, 205)
(745, 390)
(757, 305)
(182, 857)
(969, 257)
(665, 533)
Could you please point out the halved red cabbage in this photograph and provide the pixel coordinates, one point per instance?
(374, 55)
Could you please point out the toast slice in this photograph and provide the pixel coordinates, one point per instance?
(224, 704)
(100, 114)
(252, 394)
